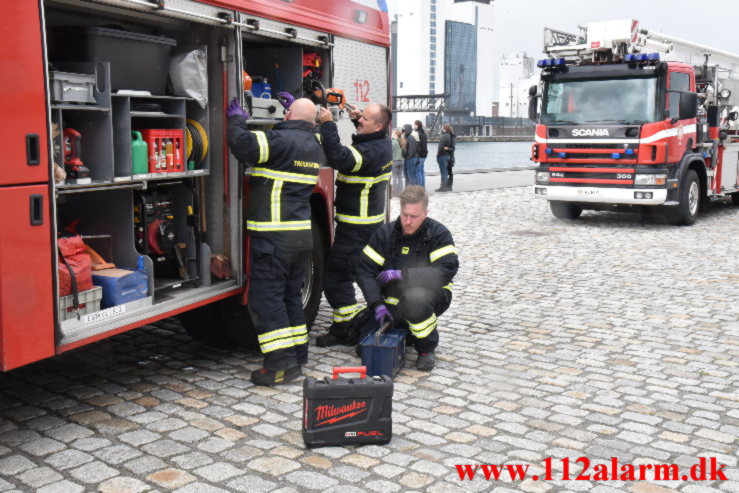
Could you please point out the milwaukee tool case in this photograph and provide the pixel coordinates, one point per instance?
(347, 411)
(383, 353)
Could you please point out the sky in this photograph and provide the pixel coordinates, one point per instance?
(519, 23)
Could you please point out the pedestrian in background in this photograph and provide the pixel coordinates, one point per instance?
(410, 154)
(423, 152)
(450, 164)
(444, 155)
(396, 184)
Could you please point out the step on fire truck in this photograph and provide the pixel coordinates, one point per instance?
(631, 118)
(84, 84)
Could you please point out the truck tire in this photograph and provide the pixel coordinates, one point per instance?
(203, 325)
(687, 210)
(735, 198)
(315, 274)
(565, 210)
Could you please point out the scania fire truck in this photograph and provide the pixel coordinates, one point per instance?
(628, 117)
(115, 170)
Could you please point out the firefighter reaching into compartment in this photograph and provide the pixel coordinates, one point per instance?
(364, 169)
(406, 272)
(286, 161)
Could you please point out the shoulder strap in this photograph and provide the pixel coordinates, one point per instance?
(73, 279)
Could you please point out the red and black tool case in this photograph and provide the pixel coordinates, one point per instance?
(347, 411)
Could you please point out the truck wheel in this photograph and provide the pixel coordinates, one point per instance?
(314, 276)
(687, 210)
(735, 198)
(202, 324)
(565, 210)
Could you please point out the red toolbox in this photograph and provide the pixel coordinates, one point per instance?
(347, 411)
(166, 149)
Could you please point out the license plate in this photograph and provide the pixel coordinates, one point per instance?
(103, 314)
(588, 192)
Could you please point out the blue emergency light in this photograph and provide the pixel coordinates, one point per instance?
(616, 155)
(548, 150)
(630, 151)
(551, 62)
(562, 155)
(642, 57)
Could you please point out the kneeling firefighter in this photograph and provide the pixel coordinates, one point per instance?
(406, 272)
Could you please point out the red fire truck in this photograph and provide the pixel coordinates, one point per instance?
(113, 115)
(632, 118)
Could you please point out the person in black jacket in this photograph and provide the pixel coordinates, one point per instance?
(364, 169)
(410, 154)
(286, 161)
(444, 155)
(406, 272)
(423, 152)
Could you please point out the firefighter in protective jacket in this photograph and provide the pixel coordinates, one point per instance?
(286, 161)
(364, 169)
(406, 273)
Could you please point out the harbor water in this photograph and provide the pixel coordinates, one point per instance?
(485, 155)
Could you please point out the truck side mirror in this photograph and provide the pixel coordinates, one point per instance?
(533, 102)
(688, 105)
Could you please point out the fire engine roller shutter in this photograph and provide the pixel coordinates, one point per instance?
(23, 115)
(26, 299)
(364, 65)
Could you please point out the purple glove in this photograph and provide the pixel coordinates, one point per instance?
(235, 109)
(388, 276)
(285, 98)
(382, 314)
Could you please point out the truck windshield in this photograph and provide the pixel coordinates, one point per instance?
(626, 101)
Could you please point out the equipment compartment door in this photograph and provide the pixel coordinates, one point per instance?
(26, 308)
(22, 96)
(360, 69)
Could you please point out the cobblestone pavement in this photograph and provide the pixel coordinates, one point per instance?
(610, 336)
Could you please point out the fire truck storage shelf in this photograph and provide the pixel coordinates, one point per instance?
(158, 215)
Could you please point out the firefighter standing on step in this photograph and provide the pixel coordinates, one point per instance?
(364, 169)
(286, 161)
(406, 273)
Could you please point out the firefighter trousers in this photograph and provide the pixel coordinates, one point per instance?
(341, 272)
(276, 305)
(416, 311)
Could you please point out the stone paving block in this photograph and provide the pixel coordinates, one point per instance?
(93, 472)
(38, 477)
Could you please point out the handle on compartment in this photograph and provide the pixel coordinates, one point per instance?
(362, 370)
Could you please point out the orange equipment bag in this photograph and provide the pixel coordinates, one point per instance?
(74, 266)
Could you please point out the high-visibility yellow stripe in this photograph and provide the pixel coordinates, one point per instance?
(345, 218)
(448, 286)
(422, 329)
(364, 200)
(345, 313)
(371, 253)
(319, 138)
(362, 179)
(283, 338)
(278, 225)
(357, 159)
(285, 176)
(263, 146)
(437, 254)
(392, 301)
(276, 201)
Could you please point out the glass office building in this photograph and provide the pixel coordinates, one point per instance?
(460, 65)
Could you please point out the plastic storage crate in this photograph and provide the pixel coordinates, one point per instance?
(67, 87)
(89, 302)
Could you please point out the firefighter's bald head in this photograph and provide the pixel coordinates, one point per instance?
(302, 109)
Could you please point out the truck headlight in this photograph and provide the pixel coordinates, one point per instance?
(650, 179)
(542, 176)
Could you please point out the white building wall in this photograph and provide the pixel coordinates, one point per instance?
(515, 76)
